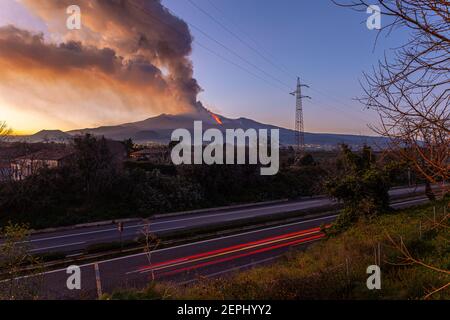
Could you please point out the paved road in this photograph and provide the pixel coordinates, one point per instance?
(186, 263)
(73, 241)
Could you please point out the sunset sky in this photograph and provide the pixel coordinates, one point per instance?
(128, 66)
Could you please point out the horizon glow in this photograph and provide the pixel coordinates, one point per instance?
(331, 59)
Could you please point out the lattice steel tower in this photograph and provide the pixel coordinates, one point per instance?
(299, 121)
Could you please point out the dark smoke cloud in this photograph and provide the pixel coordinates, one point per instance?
(135, 29)
(131, 58)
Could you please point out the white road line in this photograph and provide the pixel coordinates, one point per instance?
(179, 220)
(170, 229)
(97, 231)
(410, 201)
(194, 243)
(309, 203)
(98, 239)
(401, 204)
(231, 270)
(241, 267)
(303, 205)
(62, 245)
(224, 252)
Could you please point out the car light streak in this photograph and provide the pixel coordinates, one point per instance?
(205, 264)
(229, 250)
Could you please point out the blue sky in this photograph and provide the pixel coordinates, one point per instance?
(329, 47)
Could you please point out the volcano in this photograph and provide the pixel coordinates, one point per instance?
(159, 129)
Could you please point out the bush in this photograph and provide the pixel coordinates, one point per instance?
(360, 185)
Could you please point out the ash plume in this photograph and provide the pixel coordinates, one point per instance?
(130, 58)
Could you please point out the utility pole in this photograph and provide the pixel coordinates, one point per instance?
(98, 281)
(299, 120)
(120, 229)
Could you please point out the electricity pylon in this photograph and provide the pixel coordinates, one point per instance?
(299, 120)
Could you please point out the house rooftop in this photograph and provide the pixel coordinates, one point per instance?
(4, 165)
(52, 154)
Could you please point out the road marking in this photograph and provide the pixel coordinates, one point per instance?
(278, 246)
(303, 205)
(241, 267)
(211, 275)
(62, 245)
(309, 203)
(94, 232)
(409, 201)
(191, 244)
(225, 251)
(78, 243)
(209, 253)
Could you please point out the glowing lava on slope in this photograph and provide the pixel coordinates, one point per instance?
(215, 117)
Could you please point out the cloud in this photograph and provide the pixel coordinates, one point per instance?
(131, 59)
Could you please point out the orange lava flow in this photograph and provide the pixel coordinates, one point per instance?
(217, 119)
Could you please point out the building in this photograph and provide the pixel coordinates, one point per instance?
(24, 162)
(156, 155)
(28, 165)
(5, 171)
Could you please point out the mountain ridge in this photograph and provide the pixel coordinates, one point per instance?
(158, 129)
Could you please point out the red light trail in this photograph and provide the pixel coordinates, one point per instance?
(272, 243)
(292, 243)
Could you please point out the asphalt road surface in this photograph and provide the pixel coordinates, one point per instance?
(187, 263)
(75, 240)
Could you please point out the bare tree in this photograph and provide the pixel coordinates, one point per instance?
(4, 130)
(151, 243)
(16, 261)
(407, 259)
(410, 91)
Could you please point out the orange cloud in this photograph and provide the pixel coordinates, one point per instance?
(109, 72)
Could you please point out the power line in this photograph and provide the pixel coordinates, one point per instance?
(206, 47)
(299, 120)
(238, 55)
(341, 102)
(340, 110)
(264, 57)
(241, 40)
(233, 34)
(329, 96)
(239, 66)
(279, 66)
(337, 108)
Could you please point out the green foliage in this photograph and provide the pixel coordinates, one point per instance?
(14, 256)
(360, 185)
(94, 164)
(93, 187)
(152, 292)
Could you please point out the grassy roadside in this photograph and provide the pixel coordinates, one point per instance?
(415, 261)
